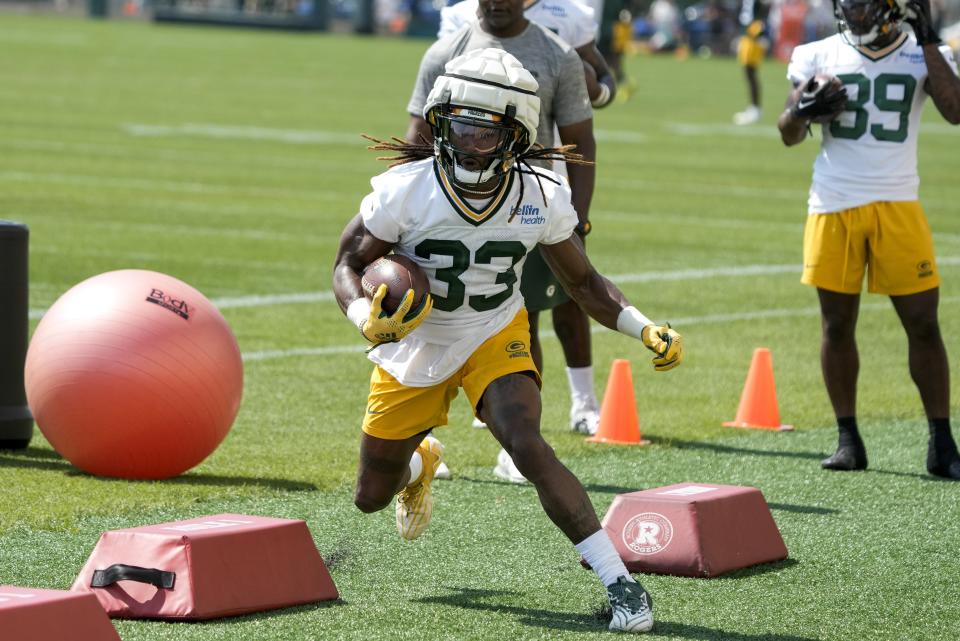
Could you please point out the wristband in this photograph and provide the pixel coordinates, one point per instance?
(631, 322)
(359, 311)
(603, 98)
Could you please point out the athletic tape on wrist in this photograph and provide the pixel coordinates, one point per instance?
(631, 322)
(359, 311)
(603, 98)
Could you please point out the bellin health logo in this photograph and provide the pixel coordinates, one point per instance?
(529, 215)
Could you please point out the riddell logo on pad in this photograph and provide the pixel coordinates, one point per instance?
(177, 306)
(647, 533)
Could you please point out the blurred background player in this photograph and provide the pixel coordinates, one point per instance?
(664, 16)
(572, 20)
(751, 49)
(460, 207)
(566, 105)
(863, 202)
(614, 34)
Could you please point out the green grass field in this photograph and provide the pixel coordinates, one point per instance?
(231, 160)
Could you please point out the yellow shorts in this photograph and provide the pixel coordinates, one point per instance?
(891, 239)
(622, 32)
(395, 411)
(750, 48)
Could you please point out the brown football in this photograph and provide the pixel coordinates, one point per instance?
(399, 274)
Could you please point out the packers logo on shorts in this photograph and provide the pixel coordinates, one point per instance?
(517, 349)
(924, 269)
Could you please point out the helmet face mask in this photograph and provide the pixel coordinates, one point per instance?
(473, 147)
(862, 22)
(483, 112)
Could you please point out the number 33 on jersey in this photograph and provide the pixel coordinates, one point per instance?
(885, 98)
(472, 251)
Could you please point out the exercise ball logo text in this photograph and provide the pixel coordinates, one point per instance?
(647, 533)
(178, 307)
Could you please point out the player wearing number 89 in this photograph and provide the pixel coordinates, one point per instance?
(864, 210)
(468, 209)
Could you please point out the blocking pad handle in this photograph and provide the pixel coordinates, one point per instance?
(120, 572)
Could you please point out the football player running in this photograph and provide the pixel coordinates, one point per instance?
(566, 110)
(864, 215)
(468, 209)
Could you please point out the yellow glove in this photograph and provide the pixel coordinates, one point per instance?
(666, 343)
(380, 327)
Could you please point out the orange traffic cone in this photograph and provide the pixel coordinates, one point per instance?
(619, 423)
(758, 403)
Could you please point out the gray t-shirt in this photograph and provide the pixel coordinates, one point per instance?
(555, 65)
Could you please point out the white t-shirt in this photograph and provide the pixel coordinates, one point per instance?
(473, 257)
(869, 153)
(572, 20)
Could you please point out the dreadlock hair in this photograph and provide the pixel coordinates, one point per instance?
(411, 152)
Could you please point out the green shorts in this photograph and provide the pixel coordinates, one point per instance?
(540, 288)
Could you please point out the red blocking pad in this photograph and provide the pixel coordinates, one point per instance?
(694, 529)
(204, 568)
(28, 614)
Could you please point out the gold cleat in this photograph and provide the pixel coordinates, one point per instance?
(415, 502)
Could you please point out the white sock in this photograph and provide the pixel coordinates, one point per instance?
(416, 468)
(581, 386)
(597, 550)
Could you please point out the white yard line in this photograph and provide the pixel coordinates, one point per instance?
(157, 230)
(131, 259)
(307, 136)
(137, 149)
(762, 131)
(796, 196)
(689, 321)
(786, 222)
(173, 186)
(295, 298)
(203, 130)
(270, 300)
(734, 271)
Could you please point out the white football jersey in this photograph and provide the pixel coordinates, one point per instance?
(869, 153)
(572, 20)
(472, 252)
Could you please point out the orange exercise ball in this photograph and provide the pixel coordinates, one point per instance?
(134, 374)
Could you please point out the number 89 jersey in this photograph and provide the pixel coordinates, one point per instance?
(869, 153)
(472, 252)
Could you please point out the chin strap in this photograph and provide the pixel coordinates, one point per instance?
(471, 179)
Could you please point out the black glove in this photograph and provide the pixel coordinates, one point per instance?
(821, 97)
(918, 17)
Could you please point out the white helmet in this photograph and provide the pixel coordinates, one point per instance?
(485, 107)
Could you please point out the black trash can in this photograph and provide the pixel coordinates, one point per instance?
(363, 21)
(16, 423)
(98, 8)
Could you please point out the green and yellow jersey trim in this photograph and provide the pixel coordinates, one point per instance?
(463, 208)
(880, 54)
